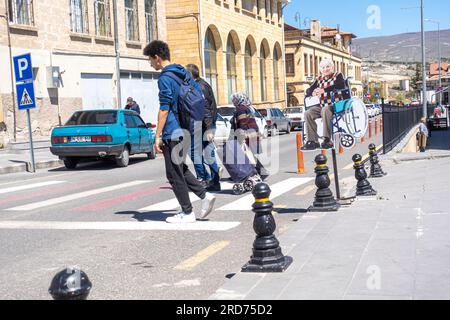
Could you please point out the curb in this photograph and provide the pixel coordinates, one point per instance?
(26, 166)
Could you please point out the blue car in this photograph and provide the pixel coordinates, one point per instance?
(96, 134)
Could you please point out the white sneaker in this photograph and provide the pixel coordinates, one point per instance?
(207, 205)
(182, 218)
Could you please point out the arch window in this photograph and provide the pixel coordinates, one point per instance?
(231, 67)
(211, 74)
(248, 69)
(262, 71)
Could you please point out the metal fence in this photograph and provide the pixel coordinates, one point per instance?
(398, 121)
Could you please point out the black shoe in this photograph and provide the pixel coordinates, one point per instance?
(327, 144)
(214, 187)
(310, 146)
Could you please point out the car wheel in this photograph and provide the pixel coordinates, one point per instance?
(124, 158)
(152, 155)
(70, 163)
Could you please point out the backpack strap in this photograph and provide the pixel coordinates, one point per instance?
(173, 76)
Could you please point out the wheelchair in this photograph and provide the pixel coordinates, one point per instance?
(350, 119)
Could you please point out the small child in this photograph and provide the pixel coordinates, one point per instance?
(423, 134)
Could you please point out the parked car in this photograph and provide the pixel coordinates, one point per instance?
(371, 110)
(296, 115)
(97, 134)
(227, 112)
(276, 121)
(223, 129)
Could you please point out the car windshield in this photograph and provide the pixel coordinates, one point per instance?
(92, 118)
(226, 111)
(293, 110)
(263, 112)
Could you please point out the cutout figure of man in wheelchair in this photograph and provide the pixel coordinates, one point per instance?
(329, 99)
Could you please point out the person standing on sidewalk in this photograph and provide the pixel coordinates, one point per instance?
(212, 181)
(423, 134)
(169, 134)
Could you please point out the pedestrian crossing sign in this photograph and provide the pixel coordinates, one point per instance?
(25, 96)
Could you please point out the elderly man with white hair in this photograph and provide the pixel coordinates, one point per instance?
(327, 84)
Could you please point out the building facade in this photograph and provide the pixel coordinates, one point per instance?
(305, 49)
(238, 45)
(76, 39)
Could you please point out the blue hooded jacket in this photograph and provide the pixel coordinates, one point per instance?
(168, 97)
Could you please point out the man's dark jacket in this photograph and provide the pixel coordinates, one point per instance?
(209, 121)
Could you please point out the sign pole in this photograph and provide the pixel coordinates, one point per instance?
(30, 132)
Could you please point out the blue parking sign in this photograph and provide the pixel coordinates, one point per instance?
(25, 96)
(23, 67)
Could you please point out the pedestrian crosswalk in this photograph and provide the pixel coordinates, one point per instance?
(93, 196)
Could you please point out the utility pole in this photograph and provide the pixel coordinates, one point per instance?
(116, 45)
(424, 66)
(440, 57)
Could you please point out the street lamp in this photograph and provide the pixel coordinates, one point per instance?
(440, 57)
(424, 76)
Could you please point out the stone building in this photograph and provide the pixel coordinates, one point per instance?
(305, 49)
(237, 44)
(76, 37)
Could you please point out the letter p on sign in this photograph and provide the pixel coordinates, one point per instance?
(23, 68)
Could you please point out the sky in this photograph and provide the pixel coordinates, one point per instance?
(386, 17)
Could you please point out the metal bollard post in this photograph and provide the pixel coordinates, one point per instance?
(324, 199)
(376, 126)
(70, 284)
(370, 128)
(375, 168)
(363, 187)
(267, 256)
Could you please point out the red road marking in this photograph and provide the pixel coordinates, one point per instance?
(107, 203)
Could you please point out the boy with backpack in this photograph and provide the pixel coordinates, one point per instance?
(181, 106)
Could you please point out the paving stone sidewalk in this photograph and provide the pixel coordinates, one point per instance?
(394, 247)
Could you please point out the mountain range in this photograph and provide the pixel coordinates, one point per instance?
(405, 47)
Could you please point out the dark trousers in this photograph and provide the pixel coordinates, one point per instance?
(179, 176)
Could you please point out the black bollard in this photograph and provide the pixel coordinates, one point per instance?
(267, 256)
(324, 199)
(375, 168)
(70, 284)
(363, 187)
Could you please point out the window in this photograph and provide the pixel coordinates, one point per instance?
(131, 20)
(231, 67)
(262, 71)
(311, 65)
(78, 16)
(102, 18)
(305, 62)
(150, 9)
(280, 11)
(139, 122)
(290, 67)
(21, 12)
(276, 75)
(211, 61)
(268, 9)
(129, 121)
(247, 5)
(248, 69)
(92, 117)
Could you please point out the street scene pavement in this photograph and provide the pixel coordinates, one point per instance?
(110, 222)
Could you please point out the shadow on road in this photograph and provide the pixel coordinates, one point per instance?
(148, 216)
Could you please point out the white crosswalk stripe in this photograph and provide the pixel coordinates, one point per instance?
(50, 202)
(29, 186)
(245, 203)
(173, 204)
(118, 225)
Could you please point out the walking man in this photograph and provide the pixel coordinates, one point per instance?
(132, 105)
(206, 144)
(170, 136)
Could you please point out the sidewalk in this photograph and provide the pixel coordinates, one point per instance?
(19, 162)
(394, 247)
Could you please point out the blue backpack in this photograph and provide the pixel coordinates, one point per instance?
(191, 103)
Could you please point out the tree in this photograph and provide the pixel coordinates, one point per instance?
(417, 78)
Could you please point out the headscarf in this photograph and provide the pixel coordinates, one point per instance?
(240, 99)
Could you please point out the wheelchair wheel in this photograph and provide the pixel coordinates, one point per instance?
(347, 141)
(356, 118)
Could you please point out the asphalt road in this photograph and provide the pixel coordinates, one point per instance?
(110, 222)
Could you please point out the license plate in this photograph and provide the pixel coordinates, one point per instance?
(80, 139)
